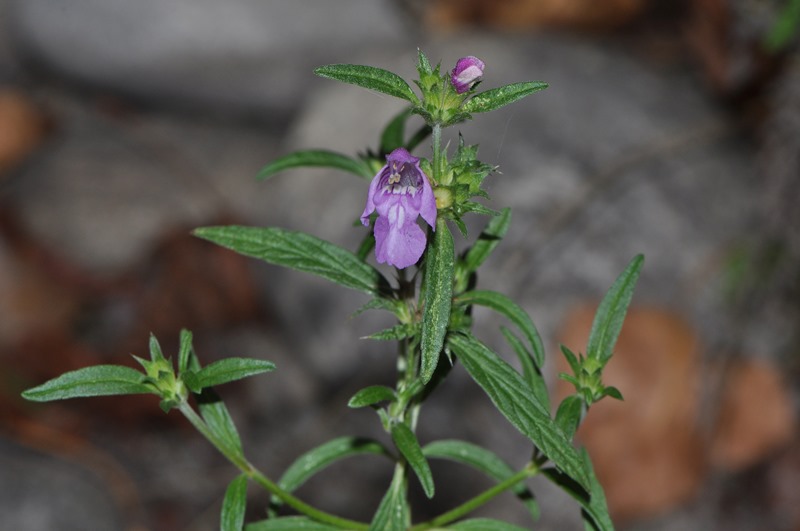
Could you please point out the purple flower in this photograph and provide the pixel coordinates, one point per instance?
(467, 72)
(399, 193)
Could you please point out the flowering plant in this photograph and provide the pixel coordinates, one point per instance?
(433, 307)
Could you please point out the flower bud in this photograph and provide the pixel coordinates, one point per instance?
(467, 73)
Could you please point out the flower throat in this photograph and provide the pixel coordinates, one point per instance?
(401, 180)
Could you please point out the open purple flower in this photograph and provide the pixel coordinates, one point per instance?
(399, 193)
(467, 72)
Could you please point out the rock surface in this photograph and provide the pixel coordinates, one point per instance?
(244, 55)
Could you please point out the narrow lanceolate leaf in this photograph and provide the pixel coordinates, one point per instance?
(185, 351)
(407, 443)
(611, 312)
(226, 370)
(319, 458)
(501, 96)
(395, 333)
(423, 64)
(289, 523)
(393, 135)
(485, 524)
(315, 158)
(505, 306)
(218, 419)
(483, 460)
(568, 416)
(371, 395)
(99, 380)
(488, 240)
(439, 266)
(300, 251)
(593, 501)
(515, 399)
(595, 515)
(531, 373)
(155, 350)
(233, 505)
(393, 513)
(371, 78)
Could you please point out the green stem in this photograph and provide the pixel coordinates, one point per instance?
(436, 132)
(254, 474)
(470, 505)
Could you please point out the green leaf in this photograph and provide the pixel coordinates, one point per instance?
(517, 402)
(371, 395)
(226, 370)
(530, 371)
(395, 333)
(505, 306)
(613, 392)
(488, 240)
(289, 523)
(485, 524)
(423, 65)
(155, 350)
(218, 419)
(407, 443)
(572, 359)
(439, 266)
(99, 380)
(393, 134)
(315, 158)
(393, 513)
(319, 458)
(390, 305)
(366, 246)
(371, 78)
(483, 460)
(185, 351)
(477, 208)
(234, 504)
(611, 313)
(569, 413)
(593, 502)
(501, 96)
(419, 137)
(299, 251)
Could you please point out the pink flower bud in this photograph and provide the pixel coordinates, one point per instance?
(467, 72)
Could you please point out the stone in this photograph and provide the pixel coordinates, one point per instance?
(51, 493)
(249, 56)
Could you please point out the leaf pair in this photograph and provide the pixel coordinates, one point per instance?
(387, 82)
(159, 379)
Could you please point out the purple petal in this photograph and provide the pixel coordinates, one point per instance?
(402, 156)
(398, 245)
(467, 72)
(373, 186)
(427, 207)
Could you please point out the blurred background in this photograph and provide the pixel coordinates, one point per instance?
(669, 128)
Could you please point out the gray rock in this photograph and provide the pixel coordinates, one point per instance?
(41, 492)
(245, 55)
(104, 190)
